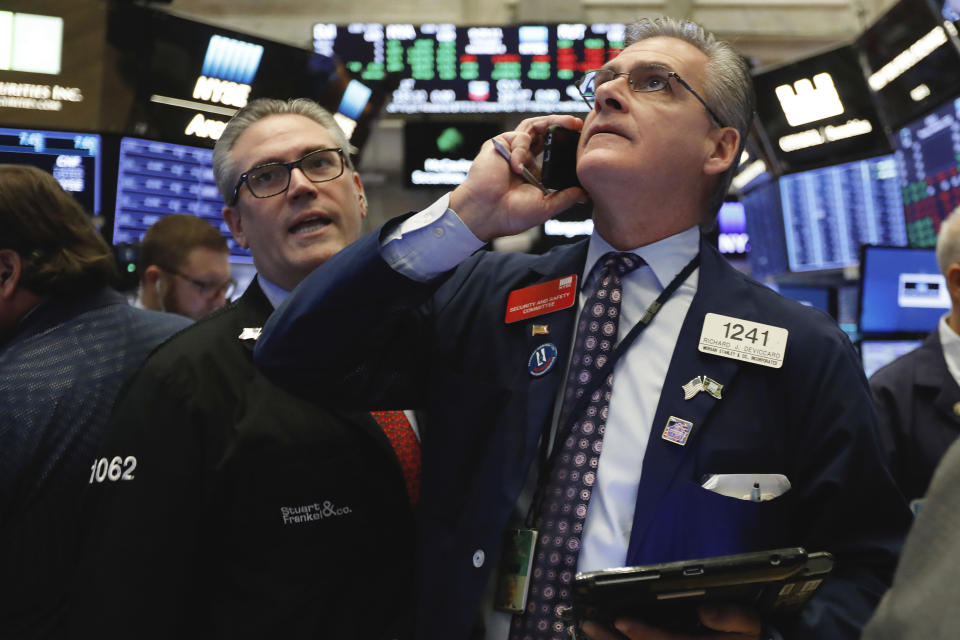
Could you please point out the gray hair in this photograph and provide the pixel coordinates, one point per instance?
(225, 171)
(728, 85)
(948, 242)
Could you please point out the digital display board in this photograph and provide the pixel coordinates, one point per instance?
(818, 297)
(901, 290)
(912, 63)
(443, 68)
(768, 247)
(818, 111)
(159, 178)
(440, 153)
(828, 213)
(74, 159)
(928, 159)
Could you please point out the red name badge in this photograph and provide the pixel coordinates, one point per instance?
(541, 298)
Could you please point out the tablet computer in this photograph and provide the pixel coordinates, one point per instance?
(775, 583)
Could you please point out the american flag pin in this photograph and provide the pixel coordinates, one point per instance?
(692, 388)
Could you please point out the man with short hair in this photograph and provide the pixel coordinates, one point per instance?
(918, 394)
(68, 341)
(253, 513)
(184, 267)
(727, 385)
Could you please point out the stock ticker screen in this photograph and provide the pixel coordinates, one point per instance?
(443, 68)
(72, 158)
(928, 159)
(159, 178)
(828, 213)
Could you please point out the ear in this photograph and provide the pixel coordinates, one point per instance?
(151, 274)
(723, 145)
(235, 221)
(10, 271)
(953, 281)
(361, 194)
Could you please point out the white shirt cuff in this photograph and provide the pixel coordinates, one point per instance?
(429, 243)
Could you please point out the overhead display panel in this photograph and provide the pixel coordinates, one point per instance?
(928, 161)
(443, 68)
(818, 111)
(912, 61)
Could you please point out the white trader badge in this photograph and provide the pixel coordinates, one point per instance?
(744, 340)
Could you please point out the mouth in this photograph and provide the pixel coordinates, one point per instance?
(310, 224)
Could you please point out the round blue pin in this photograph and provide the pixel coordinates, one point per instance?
(542, 359)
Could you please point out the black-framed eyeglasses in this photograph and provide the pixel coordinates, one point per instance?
(642, 79)
(208, 289)
(273, 178)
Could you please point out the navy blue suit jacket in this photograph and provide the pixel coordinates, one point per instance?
(918, 402)
(356, 332)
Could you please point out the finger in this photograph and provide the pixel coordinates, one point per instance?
(731, 618)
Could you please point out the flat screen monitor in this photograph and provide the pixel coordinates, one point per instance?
(822, 298)
(911, 62)
(768, 248)
(74, 159)
(928, 157)
(438, 154)
(446, 68)
(159, 178)
(828, 213)
(901, 291)
(817, 111)
(878, 353)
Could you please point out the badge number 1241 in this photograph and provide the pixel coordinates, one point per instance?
(744, 340)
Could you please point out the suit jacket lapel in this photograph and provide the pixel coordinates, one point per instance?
(662, 457)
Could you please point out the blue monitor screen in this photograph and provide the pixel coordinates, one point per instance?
(768, 250)
(828, 213)
(818, 297)
(72, 158)
(159, 178)
(928, 158)
(877, 353)
(901, 290)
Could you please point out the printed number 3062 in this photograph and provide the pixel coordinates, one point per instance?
(114, 469)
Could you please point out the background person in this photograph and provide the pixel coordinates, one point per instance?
(918, 394)
(67, 343)
(184, 267)
(253, 513)
(447, 331)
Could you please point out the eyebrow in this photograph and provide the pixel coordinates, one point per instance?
(277, 159)
(651, 66)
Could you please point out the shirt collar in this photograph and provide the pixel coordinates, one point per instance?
(274, 293)
(950, 342)
(666, 257)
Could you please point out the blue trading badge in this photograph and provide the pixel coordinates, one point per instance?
(677, 431)
(542, 359)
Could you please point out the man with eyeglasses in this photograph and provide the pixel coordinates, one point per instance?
(184, 267)
(221, 506)
(627, 400)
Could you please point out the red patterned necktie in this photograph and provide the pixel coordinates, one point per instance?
(400, 433)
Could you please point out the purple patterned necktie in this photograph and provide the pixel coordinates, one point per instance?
(563, 506)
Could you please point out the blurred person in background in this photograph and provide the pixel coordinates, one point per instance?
(67, 343)
(184, 267)
(918, 395)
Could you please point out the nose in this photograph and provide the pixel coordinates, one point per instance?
(299, 183)
(609, 94)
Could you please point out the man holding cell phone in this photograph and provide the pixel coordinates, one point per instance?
(613, 402)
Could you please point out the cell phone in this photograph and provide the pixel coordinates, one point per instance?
(559, 169)
(775, 583)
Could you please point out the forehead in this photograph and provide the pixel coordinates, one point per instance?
(676, 55)
(279, 138)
